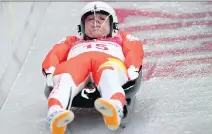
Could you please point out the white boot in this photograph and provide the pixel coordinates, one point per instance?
(111, 111)
(58, 119)
(60, 98)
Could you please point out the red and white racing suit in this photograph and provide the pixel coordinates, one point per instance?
(105, 61)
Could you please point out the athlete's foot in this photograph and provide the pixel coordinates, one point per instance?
(111, 111)
(59, 119)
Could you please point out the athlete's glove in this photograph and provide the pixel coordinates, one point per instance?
(133, 72)
(49, 76)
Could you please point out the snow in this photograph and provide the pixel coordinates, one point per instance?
(168, 102)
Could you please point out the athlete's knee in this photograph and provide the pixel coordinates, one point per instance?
(60, 69)
(63, 79)
(113, 64)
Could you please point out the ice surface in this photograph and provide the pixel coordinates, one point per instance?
(175, 97)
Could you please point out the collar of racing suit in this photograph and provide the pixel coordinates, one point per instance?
(89, 38)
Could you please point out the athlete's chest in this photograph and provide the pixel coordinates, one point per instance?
(112, 46)
(103, 44)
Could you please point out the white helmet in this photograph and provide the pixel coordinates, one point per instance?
(98, 7)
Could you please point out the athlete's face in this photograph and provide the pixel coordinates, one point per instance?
(97, 26)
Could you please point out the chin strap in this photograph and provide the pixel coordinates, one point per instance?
(104, 22)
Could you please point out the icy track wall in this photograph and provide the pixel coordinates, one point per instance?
(177, 40)
(19, 24)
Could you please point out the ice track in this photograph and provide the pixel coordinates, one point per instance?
(176, 95)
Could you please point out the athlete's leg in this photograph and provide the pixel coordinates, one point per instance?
(109, 77)
(69, 79)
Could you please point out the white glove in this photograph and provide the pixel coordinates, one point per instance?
(132, 72)
(49, 76)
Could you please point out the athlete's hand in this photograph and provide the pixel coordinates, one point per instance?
(133, 72)
(49, 76)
